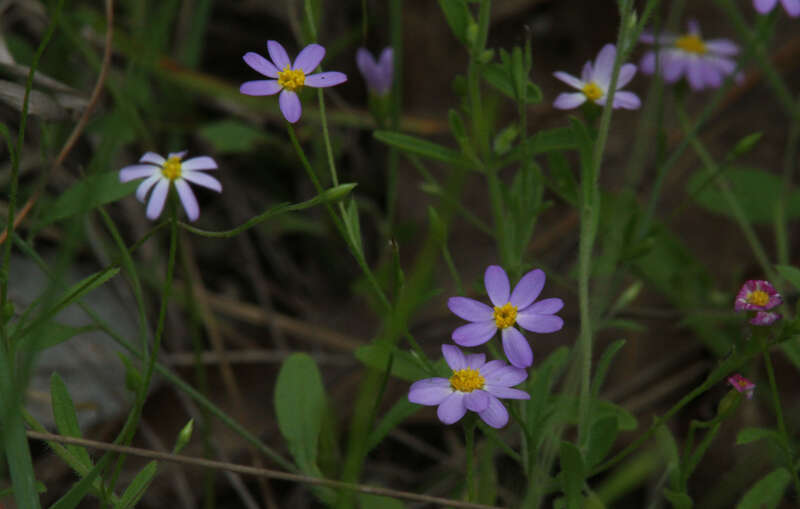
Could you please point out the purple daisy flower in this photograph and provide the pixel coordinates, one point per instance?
(518, 308)
(705, 63)
(475, 385)
(288, 77)
(764, 318)
(757, 295)
(378, 74)
(595, 81)
(764, 6)
(159, 173)
(742, 384)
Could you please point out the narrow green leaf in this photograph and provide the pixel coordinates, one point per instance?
(767, 492)
(368, 501)
(601, 439)
(136, 489)
(791, 274)
(74, 293)
(572, 474)
(299, 406)
(399, 412)
(405, 366)
(354, 225)
(78, 491)
(499, 76)
(603, 364)
(88, 193)
(231, 136)
(421, 147)
(679, 500)
(748, 435)
(66, 416)
(458, 17)
(51, 334)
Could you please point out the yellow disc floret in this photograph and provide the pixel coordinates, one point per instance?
(691, 44)
(758, 298)
(291, 79)
(592, 91)
(172, 168)
(505, 316)
(467, 380)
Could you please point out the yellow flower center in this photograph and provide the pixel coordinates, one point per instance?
(467, 380)
(743, 382)
(758, 298)
(291, 79)
(172, 168)
(691, 44)
(505, 316)
(592, 91)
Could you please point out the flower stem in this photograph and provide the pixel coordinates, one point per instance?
(776, 401)
(469, 444)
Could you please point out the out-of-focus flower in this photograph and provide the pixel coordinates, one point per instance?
(764, 6)
(158, 173)
(475, 385)
(288, 77)
(595, 81)
(764, 318)
(705, 63)
(757, 295)
(742, 384)
(518, 308)
(378, 74)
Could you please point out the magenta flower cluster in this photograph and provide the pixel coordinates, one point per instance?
(759, 296)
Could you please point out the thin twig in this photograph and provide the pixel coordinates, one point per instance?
(79, 127)
(258, 472)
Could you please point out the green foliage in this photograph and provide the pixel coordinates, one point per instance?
(755, 190)
(86, 195)
(299, 407)
(66, 417)
(572, 474)
(138, 486)
(458, 17)
(424, 148)
(231, 136)
(767, 492)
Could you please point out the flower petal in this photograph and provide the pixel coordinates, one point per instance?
(452, 409)
(477, 400)
(188, 199)
(290, 106)
(648, 62)
(541, 324)
(430, 391)
(179, 154)
(694, 27)
(157, 199)
(500, 391)
(764, 6)
(260, 87)
(792, 7)
(367, 67)
(503, 375)
(516, 347)
(696, 71)
(626, 74)
(528, 288)
(137, 171)
(495, 414)
(569, 79)
(546, 306)
(325, 79)
(199, 163)
(587, 72)
(153, 158)
(278, 55)
(474, 334)
(309, 58)
(202, 179)
(470, 309)
(568, 101)
(626, 100)
(723, 46)
(604, 65)
(454, 357)
(386, 70)
(497, 286)
(260, 64)
(475, 360)
(146, 184)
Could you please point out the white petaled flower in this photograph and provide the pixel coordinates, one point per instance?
(595, 81)
(158, 173)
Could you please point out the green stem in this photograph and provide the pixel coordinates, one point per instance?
(590, 214)
(776, 402)
(469, 445)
